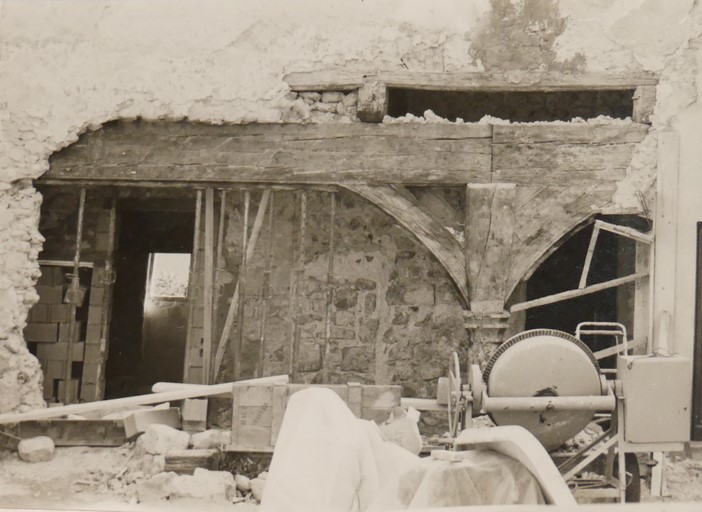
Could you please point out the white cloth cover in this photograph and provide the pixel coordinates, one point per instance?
(328, 460)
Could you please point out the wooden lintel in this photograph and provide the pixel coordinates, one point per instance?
(572, 294)
(341, 80)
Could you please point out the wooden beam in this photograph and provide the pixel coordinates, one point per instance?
(490, 220)
(439, 208)
(233, 305)
(435, 237)
(208, 288)
(340, 79)
(329, 302)
(607, 352)
(588, 256)
(296, 277)
(132, 401)
(575, 133)
(625, 231)
(266, 289)
(74, 301)
(642, 296)
(192, 285)
(572, 294)
(76, 432)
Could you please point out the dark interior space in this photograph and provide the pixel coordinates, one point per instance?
(614, 256)
(522, 107)
(144, 352)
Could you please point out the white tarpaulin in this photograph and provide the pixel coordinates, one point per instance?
(328, 460)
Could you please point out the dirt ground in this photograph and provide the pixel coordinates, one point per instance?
(105, 479)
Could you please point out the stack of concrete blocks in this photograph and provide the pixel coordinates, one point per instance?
(49, 327)
(93, 377)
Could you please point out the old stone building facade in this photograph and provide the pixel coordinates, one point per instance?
(380, 236)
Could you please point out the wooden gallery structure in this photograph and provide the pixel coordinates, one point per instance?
(527, 188)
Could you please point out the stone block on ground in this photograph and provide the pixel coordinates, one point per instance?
(213, 486)
(243, 483)
(161, 439)
(208, 439)
(194, 414)
(36, 449)
(257, 487)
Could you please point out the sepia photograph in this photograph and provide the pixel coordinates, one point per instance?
(350, 255)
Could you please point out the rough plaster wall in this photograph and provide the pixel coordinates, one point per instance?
(69, 65)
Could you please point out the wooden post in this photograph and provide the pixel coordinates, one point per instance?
(75, 290)
(266, 290)
(192, 280)
(330, 283)
(239, 342)
(108, 282)
(219, 265)
(665, 227)
(298, 272)
(208, 288)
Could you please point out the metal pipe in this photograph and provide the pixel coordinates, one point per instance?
(547, 403)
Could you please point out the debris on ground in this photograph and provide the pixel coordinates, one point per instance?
(36, 449)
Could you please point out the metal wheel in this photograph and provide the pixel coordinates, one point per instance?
(456, 401)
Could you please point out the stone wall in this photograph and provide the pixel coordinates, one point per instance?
(394, 317)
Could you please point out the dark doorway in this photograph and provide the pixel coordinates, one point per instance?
(147, 331)
(614, 256)
(697, 361)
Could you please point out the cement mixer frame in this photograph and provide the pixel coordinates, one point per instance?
(615, 448)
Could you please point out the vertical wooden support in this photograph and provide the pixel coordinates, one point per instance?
(74, 296)
(108, 282)
(278, 405)
(330, 283)
(239, 341)
(219, 263)
(208, 288)
(192, 280)
(588, 256)
(265, 291)
(297, 275)
(642, 296)
(665, 227)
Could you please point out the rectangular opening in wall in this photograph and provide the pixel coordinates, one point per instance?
(517, 106)
(168, 275)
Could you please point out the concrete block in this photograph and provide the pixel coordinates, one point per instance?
(36, 449)
(93, 354)
(97, 296)
(64, 331)
(59, 313)
(194, 415)
(140, 421)
(209, 439)
(54, 370)
(57, 351)
(38, 314)
(50, 294)
(51, 276)
(73, 390)
(41, 332)
(95, 315)
(91, 372)
(92, 334)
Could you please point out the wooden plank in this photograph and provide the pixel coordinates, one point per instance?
(342, 79)
(435, 237)
(241, 282)
(219, 269)
(185, 462)
(234, 304)
(65, 263)
(329, 291)
(208, 289)
(68, 395)
(625, 231)
(644, 103)
(569, 133)
(265, 291)
(278, 404)
(547, 176)
(607, 352)
(439, 208)
(521, 81)
(571, 294)
(642, 296)
(190, 341)
(564, 157)
(296, 277)
(665, 228)
(489, 235)
(162, 387)
(9, 441)
(117, 403)
(588, 256)
(76, 432)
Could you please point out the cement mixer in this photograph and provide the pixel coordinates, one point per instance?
(551, 383)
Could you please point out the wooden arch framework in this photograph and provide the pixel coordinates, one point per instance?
(526, 185)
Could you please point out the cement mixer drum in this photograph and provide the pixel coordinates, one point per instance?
(543, 362)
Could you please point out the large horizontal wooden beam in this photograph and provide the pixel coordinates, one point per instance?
(343, 80)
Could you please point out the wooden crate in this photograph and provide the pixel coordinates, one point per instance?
(257, 410)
